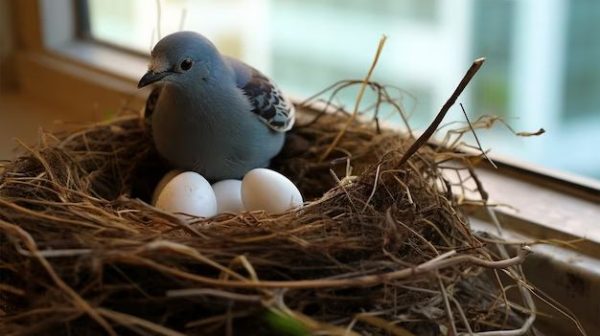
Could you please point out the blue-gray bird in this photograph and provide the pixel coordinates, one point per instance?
(210, 113)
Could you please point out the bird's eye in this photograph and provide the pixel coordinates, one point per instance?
(186, 64)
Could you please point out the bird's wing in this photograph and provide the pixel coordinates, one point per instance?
(271, 106)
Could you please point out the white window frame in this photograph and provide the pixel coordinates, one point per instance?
(88, 77)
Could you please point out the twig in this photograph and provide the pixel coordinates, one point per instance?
(361, 92)
(482, 192)
(447, 306)
(216, 319)
(372, 190)
(476, 137)
(560, 308)
(462, 315)
(440, 116)
(55, 253)
(528, 134)
(213, 292)
(130, 321)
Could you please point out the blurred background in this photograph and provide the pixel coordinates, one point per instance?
(542, 66)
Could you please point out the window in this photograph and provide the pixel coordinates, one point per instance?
(540, 70)
(582, 77)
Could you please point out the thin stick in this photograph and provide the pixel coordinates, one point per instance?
(372, 190)
(213, 292)
(462, 315)
(447, 306)
(440, 116)
(131, 320)
(361, 92)
(482, 192)
(476, 138)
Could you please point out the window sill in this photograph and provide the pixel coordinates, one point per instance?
(123, 65)
(87, 81)
(542, 207)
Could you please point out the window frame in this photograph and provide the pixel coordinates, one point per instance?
(74, 62)
(71, 62)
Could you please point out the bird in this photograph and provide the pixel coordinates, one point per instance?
(211, 113)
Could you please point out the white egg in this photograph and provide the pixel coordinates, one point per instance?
(265, 189)
(188, 193)
(229, 196)
(162, 183)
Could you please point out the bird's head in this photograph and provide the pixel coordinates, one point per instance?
(181, 58)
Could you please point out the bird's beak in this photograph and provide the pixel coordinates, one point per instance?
(152, 77)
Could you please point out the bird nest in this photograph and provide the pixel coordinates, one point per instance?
(381, 247)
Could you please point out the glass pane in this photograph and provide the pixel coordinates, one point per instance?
(541, 70)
